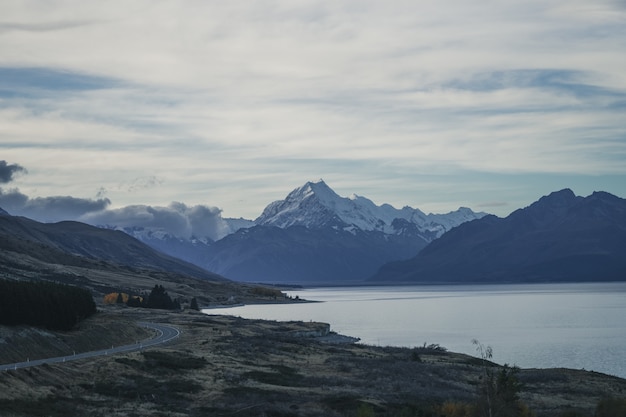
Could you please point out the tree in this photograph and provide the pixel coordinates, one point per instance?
(120, 299)
(194, 304)
(158, 298)
(44, 304)
(499, 388)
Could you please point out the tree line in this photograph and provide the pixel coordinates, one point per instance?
(44, 304)
(158, 298)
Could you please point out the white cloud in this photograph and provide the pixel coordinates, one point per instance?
(222, 99)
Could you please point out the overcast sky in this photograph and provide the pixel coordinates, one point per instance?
(232, 104)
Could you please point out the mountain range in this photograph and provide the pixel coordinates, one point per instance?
(312, 236)
(561, 237)
(315, 237)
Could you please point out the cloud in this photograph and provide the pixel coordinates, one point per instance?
(29, 82)
(49, 209)
(142, 183)
(229, 99)
(7, 172)
(177, 219)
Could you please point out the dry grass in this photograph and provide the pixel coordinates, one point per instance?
(223, 366)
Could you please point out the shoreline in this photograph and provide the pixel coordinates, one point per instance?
(457, 327)
(221, 364)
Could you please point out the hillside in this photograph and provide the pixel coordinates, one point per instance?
(222, 366)
(79, 240)
(105, 261)
(561, 237)
(300, 255)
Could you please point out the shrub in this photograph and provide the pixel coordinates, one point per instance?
(611, 407)
(173, 360)
(454, 409)
(365, 410)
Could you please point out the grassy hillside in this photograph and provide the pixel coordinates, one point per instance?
(229, 366)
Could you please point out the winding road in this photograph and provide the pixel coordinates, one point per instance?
(165, 333)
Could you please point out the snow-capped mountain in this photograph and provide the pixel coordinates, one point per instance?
(316, 205)
(312, 236)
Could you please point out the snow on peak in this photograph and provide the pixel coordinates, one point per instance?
(315, 204)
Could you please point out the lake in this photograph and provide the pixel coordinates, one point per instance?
(578, 326)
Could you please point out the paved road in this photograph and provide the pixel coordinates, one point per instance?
(165, 333)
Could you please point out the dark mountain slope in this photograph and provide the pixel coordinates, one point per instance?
(73, 243)
(561, 237)
(301, 255)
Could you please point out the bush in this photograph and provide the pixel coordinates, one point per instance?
(611, 407)
(454, 409)
(173, 360)
(267, 292)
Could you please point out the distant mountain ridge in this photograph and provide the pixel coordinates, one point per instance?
(316, 236)
(312, 236)
(560, 237)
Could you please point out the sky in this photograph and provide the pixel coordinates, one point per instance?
(207, 109)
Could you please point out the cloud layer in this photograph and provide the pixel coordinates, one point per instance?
(49, 209)
(235, 103)
(177, 220)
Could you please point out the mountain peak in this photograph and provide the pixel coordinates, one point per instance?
(309, 205)
(564, 196)
(316, 205)
(556, 201)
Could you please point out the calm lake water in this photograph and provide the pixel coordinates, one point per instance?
(579, 326)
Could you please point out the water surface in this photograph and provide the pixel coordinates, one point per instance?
(579, 326)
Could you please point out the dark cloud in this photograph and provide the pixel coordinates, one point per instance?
(49, 209)
(8, 171)
(177, 219)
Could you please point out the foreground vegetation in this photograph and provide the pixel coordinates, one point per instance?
(44, 304)
(226, 366)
